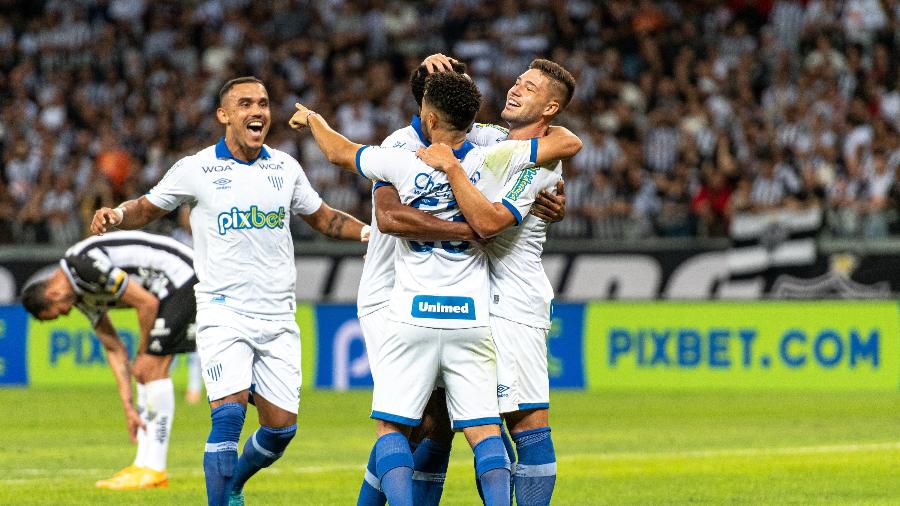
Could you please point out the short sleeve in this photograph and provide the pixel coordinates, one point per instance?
(93, 272)
(174, 188)
(520, 192)
(305, 199)
(384, 164)
(486, 134)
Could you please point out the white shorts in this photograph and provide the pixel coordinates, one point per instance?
(522, 380)
(237, 352)
(374, 326)
(412, 358)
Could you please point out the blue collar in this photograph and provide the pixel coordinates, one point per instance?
(222, 151)
(459, 153)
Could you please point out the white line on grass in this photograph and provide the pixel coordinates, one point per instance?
(21, 476)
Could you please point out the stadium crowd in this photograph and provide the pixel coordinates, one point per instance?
(689, 111)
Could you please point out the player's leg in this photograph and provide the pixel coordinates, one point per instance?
(430, 443)
(535, 474)
(469, 371)
(277, 380)
(195, 379)
(373, 326)
(226, 357)
(408, 366)
(152, 372)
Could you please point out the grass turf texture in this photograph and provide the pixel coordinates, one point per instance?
(613, 448)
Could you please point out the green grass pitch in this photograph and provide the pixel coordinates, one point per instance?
(613, 448)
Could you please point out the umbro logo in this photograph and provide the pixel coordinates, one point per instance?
(501, 390)
(222, 183)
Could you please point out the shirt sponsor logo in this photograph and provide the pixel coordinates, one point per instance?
(215, 168)
(424, 183)
(525, 179)
(271, 166)
(250, 219)
(443, 307)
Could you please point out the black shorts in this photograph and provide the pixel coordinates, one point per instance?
(174, 330)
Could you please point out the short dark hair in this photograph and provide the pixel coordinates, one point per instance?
(562, 78)
(417, 79)
(455, 96)
(34, 298)
(232, 83)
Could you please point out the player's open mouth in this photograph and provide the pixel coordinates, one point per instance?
(255, 126)
(512, 103)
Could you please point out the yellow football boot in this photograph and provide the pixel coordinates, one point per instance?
(134, 478)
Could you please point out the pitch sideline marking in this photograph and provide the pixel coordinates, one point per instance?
(725, 452)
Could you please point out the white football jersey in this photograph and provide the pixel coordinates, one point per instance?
(243, 250)
(437, 284)
(377, 280)
(520, 290)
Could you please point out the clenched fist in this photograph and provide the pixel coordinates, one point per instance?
(105, 219)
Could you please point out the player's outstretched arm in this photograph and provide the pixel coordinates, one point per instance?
(338, 149)
(551, 207)
(129, 215)
(337, 224)
(486, 218)
(406, 222)
(117, 356)
(559, 144)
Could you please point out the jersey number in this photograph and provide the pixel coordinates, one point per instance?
(448, 246)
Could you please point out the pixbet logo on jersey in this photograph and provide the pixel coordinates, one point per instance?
(254, 218)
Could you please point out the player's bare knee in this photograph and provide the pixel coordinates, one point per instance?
(271, 415)
(149, 368)
(479, 433)
(527, 419)
(383, 427)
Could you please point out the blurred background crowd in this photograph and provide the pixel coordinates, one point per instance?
(689, 111)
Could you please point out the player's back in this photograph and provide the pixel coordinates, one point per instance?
(439, 284)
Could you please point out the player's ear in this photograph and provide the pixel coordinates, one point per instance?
(552, 108)
(222, 116)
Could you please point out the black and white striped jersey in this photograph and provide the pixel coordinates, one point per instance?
(100, 268)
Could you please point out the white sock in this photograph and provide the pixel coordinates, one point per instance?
(195, 379)
(141, 434)
(160, 411)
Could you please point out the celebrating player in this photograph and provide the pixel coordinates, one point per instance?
(438, 304)
(520, 292)
(155, 276)
(242, 192)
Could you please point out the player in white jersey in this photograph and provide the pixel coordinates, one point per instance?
(438, 299)
(391, 219)
(521, 295)
(242, 193)
(155, 276)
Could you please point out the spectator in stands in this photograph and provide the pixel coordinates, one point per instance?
(667, 83)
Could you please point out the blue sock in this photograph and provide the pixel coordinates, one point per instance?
(511, 454)
(394, 468)
(492, 469)
(370, 493)
(430, 460)
(220, 456)
(536, 472)
(263, 448)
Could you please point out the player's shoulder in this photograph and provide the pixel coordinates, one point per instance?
(490, 128)
(280, 157)
(487, 134)
(404, 138)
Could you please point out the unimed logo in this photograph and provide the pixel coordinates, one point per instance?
(444, 308)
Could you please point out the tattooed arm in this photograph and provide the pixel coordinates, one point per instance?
(337, 224)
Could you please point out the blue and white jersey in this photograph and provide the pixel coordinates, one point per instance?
(377, 280)
(243, 251)
(437, 284)
(520, 290)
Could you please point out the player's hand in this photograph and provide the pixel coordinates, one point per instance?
(105, 219)
(134, 423)
(549, 207)
(300, 119)
(438, 156)
(438, 63)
